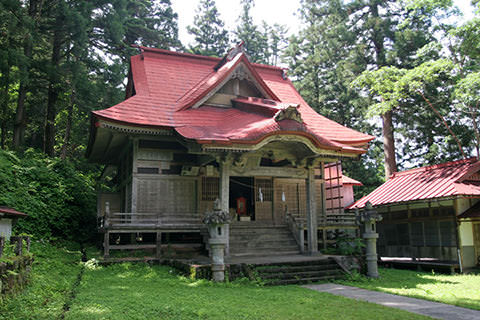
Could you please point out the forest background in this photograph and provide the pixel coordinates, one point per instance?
(404, 71)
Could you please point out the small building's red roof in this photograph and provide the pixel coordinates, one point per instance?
(456, 178)
(350, 181)
(169, 85)
(6, 211)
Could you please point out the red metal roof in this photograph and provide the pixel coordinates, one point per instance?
(168, 84)
(456, 178)
(350, 181)
(11, 212)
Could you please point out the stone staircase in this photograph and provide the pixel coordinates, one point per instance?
(299, 272)
(254, 239)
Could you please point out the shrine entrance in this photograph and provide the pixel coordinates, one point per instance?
(251, 198)
(242, 199)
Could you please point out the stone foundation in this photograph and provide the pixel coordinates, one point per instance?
(14, 274)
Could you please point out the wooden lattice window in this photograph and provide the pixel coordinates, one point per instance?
(402, 234)
(447, 233)
(418, 213)
(210, 188)
(399, 215)
(267, 189)
(431, 233)
(416, 232)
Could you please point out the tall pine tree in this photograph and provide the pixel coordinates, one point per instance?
(211, 38)
(255, 41)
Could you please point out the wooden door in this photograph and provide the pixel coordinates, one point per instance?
(263, 199)
(476, 239)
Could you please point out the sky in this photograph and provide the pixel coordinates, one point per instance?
(272, 11)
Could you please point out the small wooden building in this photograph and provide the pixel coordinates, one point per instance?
(195, 128)
(430, 213)
(347, 190)
(8, 217)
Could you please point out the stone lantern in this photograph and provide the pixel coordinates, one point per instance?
(369, 217)
(217, 223)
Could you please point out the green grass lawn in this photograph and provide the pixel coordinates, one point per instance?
(53, 274)
(460, 290)
(140, 291)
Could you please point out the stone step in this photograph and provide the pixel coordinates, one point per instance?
(297, 268)
(280, 282)
(325, 261)
(300, 274)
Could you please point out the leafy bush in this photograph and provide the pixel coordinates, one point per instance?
(59, 198)
(350, 246)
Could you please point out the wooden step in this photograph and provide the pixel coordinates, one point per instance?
(263, 252)
(132, 246)
(263, 243)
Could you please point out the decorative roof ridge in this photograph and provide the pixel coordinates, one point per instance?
(434, 167)
(177, 53)
(200, 57)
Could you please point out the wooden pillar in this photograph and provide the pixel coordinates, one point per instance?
(224, 184)
(158, 252)
(458, 236)
(106, 244)
(134, 177)
(312, 225)
(224, 196)
(324, 205)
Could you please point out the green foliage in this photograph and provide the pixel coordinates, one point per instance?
(348, 246)
(460, 290)
(255, 41)
(392, 86)
(323, 60)
(60, 61)
(58, 198)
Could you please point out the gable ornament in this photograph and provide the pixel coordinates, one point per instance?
(290, 112)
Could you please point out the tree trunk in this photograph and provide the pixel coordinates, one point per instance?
(68, 126)
(20, 122)
(4, 117)
(53, 90)
(378, 39)
(388, 144)
(475, 128)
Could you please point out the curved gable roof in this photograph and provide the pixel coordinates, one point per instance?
(168, 84)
